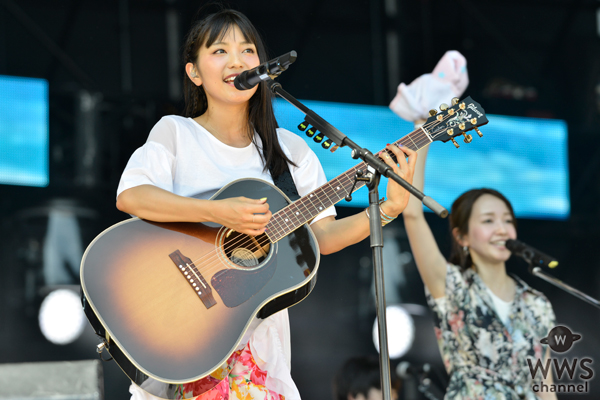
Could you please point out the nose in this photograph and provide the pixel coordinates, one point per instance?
(501, 227)
(235, 60)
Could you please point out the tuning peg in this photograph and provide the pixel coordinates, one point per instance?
(443, 106)
(303, 126)
(327, 144)
(455, 144)
(461, 126)
(455, 101)
(478, 132)
(311, 132)
(468, 138)
(473, 121)
(450, 132)
(334, 148)
(319, 137)
(462, 106)
(432, 113)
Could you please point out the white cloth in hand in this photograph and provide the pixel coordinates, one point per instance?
(449, 79)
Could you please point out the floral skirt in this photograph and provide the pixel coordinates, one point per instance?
(240, 379)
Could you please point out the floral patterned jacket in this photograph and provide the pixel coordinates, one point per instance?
(485, 359)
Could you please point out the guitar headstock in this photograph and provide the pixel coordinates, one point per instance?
(455, 120)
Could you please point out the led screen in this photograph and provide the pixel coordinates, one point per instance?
(23, 131)
(524, 158)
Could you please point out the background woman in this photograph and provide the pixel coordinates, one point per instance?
(488, 324)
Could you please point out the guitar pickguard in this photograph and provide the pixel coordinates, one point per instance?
(237, 286)
(252, 264)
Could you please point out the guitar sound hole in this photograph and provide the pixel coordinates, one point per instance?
(245, 251)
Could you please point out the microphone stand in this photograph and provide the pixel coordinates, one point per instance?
(537, 271)
(376, 168)
(427, 387)
(429, 390)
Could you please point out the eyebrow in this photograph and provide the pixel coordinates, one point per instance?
(492, 213)
(220, 43)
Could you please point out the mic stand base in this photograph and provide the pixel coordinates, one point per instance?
(537, 271)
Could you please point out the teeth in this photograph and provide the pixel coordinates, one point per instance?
(500, 243)
(230, 79)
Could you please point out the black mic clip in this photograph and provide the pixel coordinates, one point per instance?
(277, 66)
(264, 72)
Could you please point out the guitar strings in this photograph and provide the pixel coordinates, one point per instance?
(263, 241)
(244, 239)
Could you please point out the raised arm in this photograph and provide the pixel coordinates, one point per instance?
(430, 261)
(249, 216)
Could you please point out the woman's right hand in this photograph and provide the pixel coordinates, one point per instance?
(243, 215)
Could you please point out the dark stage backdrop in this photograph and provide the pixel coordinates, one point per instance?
(111, 76)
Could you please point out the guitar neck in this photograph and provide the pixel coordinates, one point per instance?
(301, 211)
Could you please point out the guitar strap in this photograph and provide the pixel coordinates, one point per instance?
(285, 183)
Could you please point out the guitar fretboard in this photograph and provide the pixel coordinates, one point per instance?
(303, 210)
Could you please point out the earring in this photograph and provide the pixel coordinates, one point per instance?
(466, 250)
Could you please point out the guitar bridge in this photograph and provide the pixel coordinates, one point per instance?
(191, 274)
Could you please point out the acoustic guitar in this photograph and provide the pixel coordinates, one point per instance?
(172, 301)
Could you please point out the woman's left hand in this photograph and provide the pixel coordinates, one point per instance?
(397, 196)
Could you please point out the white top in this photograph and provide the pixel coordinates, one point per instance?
(184, 158)
(502, 307)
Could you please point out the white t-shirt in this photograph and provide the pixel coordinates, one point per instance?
(184, 158)
(502, 307)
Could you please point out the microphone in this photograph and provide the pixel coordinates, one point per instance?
(405, 369)
(425, 385)
(533, 256)
(252, 77)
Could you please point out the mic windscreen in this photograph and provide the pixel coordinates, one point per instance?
(240, 82)
(514, 245)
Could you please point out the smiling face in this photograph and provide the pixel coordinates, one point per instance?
(218, 64)
(490, 225)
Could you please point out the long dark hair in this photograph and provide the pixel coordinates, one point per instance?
(261, 117)
(460, 213)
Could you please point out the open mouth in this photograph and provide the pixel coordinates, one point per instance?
(229, 79)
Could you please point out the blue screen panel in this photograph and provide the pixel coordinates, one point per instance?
(23, 131)
(524, 158)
